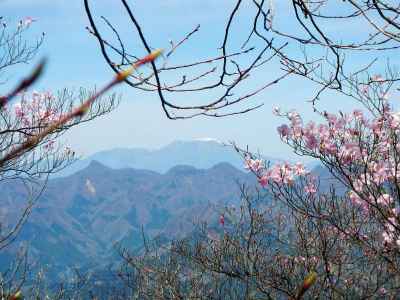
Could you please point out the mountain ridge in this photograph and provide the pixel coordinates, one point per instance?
(73, 223)
(201, 154)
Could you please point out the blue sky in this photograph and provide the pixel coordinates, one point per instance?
(75, 61)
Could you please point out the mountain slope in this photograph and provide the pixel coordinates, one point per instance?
(80, 217)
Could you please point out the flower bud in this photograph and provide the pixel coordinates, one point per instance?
(121, 76)
(307, 283)
(16, 296)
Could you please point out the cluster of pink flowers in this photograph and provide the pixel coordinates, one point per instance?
(26, 22)
(389, 234)
(284, 173)
(253, 165)
(323, 138)
(350, 140)
(288, 261)
(36, 109)
(340, 135)
(310, 188)
(366, 151)
(22, 24)
(222, 220)
(279, 174)
(33, 112)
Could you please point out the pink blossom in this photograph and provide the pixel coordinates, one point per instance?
(296, 123)
(349, 153)
(392, 222)
(222, 220)
(377, 78)
(18, 110)
(323, 132)
(387, 237)
(380, 174)
(328, 148)
(297, 131)
(254, 165)
(263, 180)
(27, 21)
(332, 119)
(275, 174)
(385, 199)
(288, 179)
(310, 189)
(358, 114)
(355, 198)
(35, 108)
(293, 115)
(283, 130)
(299, 169)
(358, 185)
(299, 259)
(376, 126)
(311, 141)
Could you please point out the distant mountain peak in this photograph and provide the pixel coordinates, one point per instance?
(196, 141)
(224, 165)
(208, 140)
(97, 164)
(200, 153)
(94, 167)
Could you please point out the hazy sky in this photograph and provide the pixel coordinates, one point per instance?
(75, 60)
